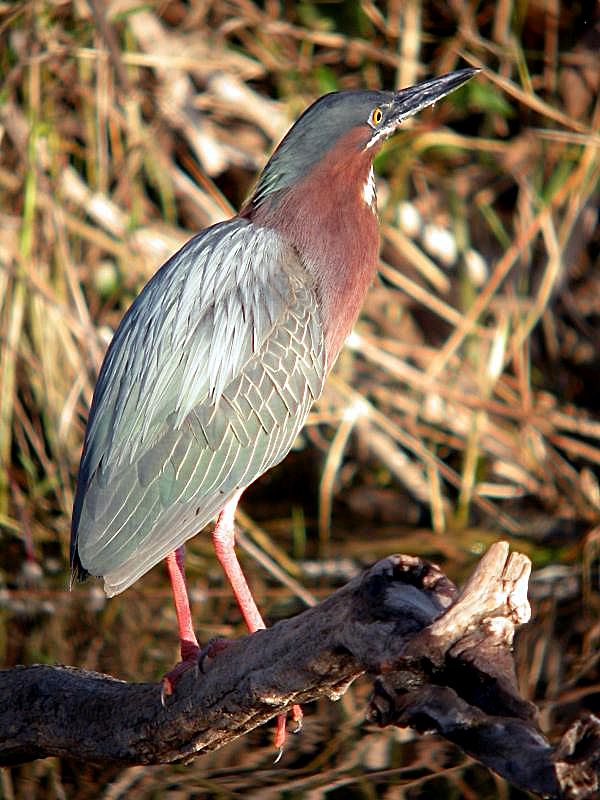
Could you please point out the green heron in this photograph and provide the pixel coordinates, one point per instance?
(214, 367)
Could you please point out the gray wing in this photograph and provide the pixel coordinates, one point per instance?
(205, 386)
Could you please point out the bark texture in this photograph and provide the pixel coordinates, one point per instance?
(440, 661)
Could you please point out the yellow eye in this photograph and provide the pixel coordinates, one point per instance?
(376, 117)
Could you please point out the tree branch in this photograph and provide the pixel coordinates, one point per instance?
(440, 661)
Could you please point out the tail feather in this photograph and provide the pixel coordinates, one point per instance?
(78, 572)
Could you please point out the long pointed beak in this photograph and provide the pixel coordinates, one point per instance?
(410, 101)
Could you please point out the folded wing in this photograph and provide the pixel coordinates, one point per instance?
(205, 386)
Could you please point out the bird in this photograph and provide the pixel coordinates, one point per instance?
(213, 369)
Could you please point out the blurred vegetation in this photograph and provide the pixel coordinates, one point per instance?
(466, 406)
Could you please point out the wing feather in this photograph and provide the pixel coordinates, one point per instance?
(205, 386)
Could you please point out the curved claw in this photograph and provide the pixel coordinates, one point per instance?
(166, 690)
(172, 677)
(298, 718)
(280, 734)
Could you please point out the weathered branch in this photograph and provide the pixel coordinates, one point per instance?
(440, 661)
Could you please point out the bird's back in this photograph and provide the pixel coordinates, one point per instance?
(205, 386)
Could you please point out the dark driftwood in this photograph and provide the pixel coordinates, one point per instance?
(440, 661)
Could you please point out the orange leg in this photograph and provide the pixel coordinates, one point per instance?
(187, 637)
(224, 544)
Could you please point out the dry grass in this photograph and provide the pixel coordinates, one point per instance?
(468, 393)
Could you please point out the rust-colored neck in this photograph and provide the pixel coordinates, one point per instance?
(330, 218)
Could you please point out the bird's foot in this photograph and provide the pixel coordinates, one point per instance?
(189, 661)
(207, 654)
(280, 732)
(192, 657)
(298, 718)
(209, 651)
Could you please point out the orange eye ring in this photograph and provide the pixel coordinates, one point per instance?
(376, 116)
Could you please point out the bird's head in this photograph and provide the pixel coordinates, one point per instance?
(349, 123)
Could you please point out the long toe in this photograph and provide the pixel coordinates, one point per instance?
(172, 677)
(280, 732)
(298, 717)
